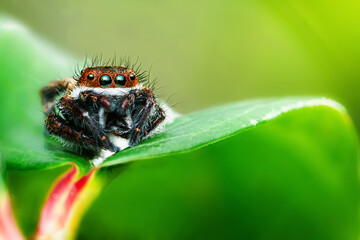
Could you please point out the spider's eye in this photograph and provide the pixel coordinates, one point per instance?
(132, 77)
(82, 71)
(105, 80)
(90, 77)
(120, 80)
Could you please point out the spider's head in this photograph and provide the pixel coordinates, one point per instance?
(108, 77)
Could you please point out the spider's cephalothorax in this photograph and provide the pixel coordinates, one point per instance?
(104, 108)
(108, 77)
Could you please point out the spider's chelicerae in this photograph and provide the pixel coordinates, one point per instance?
(104, 109)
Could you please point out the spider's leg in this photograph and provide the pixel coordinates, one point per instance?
(49, 93)
(117, 125)
(157, 115)
(120, 132)
(58, 126)
(145, 119)
(75, 109)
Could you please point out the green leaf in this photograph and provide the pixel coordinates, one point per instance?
(2, 176)
(212, 125)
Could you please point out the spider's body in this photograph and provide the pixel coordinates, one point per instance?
(106, 108)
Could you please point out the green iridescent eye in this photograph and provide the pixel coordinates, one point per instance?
(105, 80)
(120, 80)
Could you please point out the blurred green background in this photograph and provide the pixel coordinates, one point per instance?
(212, 52)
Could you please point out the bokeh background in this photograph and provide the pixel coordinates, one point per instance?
(206, 53)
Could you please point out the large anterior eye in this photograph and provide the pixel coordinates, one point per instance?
(120, 80)
(90, 77)
(105, 80)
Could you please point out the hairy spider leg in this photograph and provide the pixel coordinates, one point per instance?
(80, 114)
(58, 126)
(156, 116)
(49, 93)
(117, 127)
(146, 118)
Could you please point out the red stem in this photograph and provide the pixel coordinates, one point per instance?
(49, 211)
(57, 209)
(73, 194)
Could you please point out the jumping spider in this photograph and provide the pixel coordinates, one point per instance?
(106, 108)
